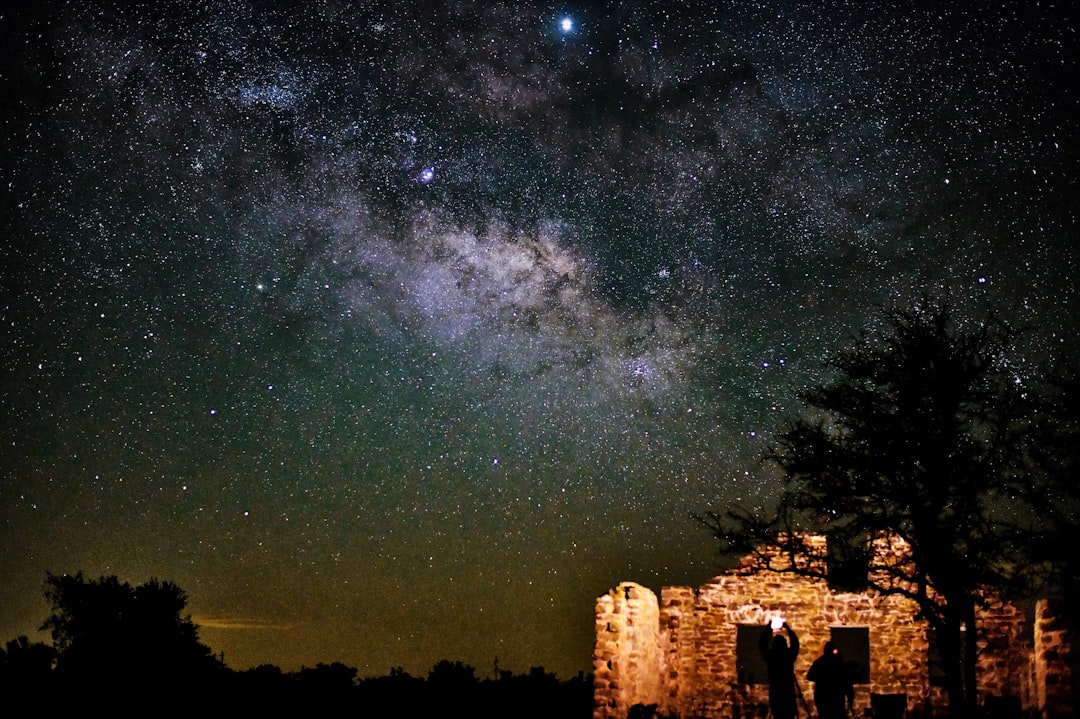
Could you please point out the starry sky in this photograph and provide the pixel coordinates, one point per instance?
(396, 332)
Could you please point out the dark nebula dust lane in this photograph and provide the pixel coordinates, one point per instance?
(400, 333)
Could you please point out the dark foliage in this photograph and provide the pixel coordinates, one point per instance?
(451, 687)
(115, 640)
(1055, 498)
(114, 637)
(26, 666)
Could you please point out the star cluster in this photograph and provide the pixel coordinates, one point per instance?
(399, 333)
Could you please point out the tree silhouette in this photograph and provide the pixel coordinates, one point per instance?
(108, 633)
(25, 666)
(1056, 499)
(924, 437)
(112, 639)
(452, 684)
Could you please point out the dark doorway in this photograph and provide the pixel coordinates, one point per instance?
(854, 644)
(749, 664)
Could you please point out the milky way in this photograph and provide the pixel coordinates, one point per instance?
(395, 334)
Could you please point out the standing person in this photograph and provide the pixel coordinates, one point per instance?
(832, 684)
(779, 650)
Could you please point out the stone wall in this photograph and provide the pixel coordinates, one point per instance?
(1005, 647)
(628, 661)
(1053, 663)
(679, 653)
(702, 678)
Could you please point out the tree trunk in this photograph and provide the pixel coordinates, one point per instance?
(958, 656)
(971, 654)
(952, 665)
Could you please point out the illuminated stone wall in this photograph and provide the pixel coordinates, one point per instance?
(679, 653)
(707, 685)
(628, 659)
(1054, 663)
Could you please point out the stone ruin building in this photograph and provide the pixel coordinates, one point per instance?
(694, 653)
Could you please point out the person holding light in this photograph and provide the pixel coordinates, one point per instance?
(779, 648)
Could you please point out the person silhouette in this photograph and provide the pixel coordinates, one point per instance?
(779, 650)
(834, 691)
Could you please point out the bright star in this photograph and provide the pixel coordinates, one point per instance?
(567, 24)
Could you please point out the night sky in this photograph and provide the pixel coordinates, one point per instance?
(396, 332)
